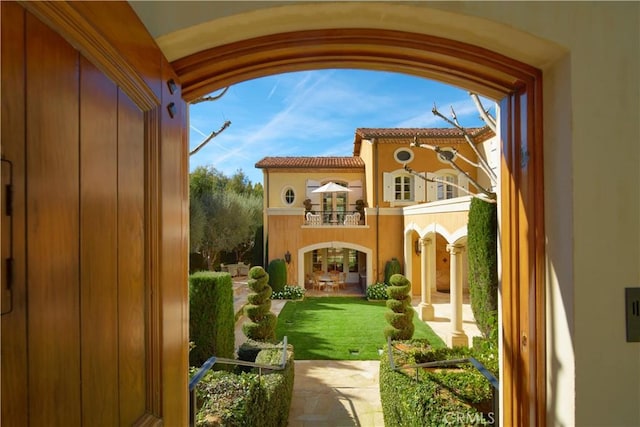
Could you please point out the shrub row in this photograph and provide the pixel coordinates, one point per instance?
(247, 398)
(211, 316)
(435, 397)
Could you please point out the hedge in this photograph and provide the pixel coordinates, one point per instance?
(277, 270)
(459, 396)
(482, 241)
(211, 316)
(247, 398)
(391, 267)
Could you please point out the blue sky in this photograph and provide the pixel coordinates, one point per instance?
(315, 113)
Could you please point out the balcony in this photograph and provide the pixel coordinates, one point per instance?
(334, 218)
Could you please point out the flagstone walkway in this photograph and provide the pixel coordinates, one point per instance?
(340, 393)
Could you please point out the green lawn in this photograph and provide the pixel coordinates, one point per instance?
(340, 328)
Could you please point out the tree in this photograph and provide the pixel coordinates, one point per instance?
(451, 154)
(225, 213)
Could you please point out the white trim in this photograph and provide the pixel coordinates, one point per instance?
(285, 211)
(457, 204)
(283, 195)
(383, 211)
(404, 149)
(435, 228)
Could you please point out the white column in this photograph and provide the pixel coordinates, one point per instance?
(457, 337)
(426, 308)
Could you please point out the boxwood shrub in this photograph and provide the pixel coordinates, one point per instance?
(247, 398)
(211, 316)
(457, 395)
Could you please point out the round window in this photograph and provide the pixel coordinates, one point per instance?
(403, 155)
(289, 196)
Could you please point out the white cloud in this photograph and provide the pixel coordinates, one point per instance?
(315, 113)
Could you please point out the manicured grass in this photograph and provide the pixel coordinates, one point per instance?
(340, 328)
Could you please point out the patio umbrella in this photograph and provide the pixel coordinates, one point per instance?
(332, 187)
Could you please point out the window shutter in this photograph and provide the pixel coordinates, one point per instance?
(419, 188)
(463, 182)
(315, 197)
(431, 188)
(355, 193)
(387, 187)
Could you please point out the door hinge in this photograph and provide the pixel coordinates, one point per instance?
(6, 295)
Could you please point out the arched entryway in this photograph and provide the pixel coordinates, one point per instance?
(515, 85)
(333, 252)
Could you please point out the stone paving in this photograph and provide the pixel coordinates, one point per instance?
(339, 393)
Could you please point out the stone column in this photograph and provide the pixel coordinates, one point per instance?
(457, 337)
(426, 308)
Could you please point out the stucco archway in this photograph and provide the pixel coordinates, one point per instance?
(515, 84)
(346, 245)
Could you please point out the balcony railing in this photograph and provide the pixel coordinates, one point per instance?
(334, 218)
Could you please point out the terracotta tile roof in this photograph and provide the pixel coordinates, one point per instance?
(433, 136)
(311, 162)
(391, 133)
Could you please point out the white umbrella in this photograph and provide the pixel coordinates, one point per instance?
(330, 187)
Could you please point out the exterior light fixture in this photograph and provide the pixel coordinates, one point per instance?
(417, 247)
(287, 257)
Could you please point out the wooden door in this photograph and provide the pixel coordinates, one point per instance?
(82, 343)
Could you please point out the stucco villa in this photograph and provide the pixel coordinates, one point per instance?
(94, 145)
(379, 209)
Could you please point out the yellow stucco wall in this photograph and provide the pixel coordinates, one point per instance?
(276, 181)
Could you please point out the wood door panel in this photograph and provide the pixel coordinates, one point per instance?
(12, 128)
(174, 289)
(131, 261)
(100, 338)
(98, 246)
(52, 227)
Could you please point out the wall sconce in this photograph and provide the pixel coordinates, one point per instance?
(287, 257)
(417, 247)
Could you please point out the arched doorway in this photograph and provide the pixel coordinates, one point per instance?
(517, 86)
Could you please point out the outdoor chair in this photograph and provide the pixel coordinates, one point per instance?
(313, 219)
(352, 219)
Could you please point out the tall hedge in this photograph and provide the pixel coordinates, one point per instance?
(482, 241)
(257, 254)
(400, 314)
(211, 316)
(277, 274)
(390, 268)
(261, 325)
